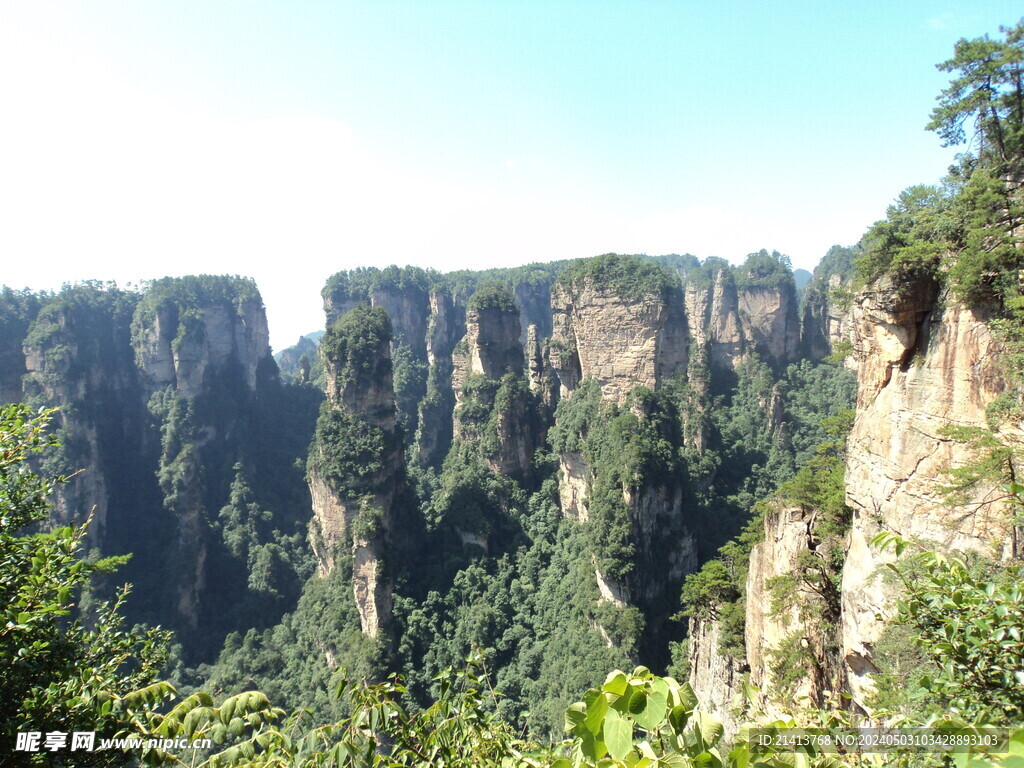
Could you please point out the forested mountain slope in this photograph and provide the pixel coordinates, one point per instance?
(528, 460)
(556, 471)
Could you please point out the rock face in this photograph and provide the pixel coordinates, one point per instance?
(519, 437)
(925, 363)
(887, 319)
(534, 303)
(178, 349)
(138, 378)
(620, 342)
(353, 515)
(731, 319)
(772, 323)
(289, 360)
(491, 349)
(492, 338)
(656, 510)
(574, 485)
(444, 328)
(78, 358)
(713, 315)
(401, 293)
(826, 322)
(802, 615)
(409, 312)
(716, 677)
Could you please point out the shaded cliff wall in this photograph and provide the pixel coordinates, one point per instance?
(826, 311)
(161, 393)
(78, 357)
(445, 327)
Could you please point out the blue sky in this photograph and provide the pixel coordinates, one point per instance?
(289, 140)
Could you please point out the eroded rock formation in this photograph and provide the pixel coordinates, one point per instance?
(621, 342)
(926, 364)
(357, 468)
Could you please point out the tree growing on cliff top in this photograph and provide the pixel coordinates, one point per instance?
(988, 94)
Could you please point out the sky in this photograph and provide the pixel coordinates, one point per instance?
(289, 140)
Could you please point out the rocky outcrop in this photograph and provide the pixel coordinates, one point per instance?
(574, 485)
(538, 367)
(827, 321)
(409, 312)
(77, 358)
(401, 292)
(492, 338)
(622, 342)
(783, 610)
(444, 328)
(715, 675)
(178, 347)
(611, 591)
(353, 513)
(886, 320)
(491, 350)
(925, 363)
(712, 310)
(533, 300)
(771, 322)
(519, 436)
(656, 511)
(290, 360)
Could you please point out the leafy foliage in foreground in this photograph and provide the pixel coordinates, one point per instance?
(58, 672)
(969, 626)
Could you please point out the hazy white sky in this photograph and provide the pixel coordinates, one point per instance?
(287, 141)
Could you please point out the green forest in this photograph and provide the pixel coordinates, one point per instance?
(526, 516)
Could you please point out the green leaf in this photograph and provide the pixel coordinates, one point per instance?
(618, 735)
(637, 701)
(1016, 745)
(590, 746)
(616, 683)
(710, 728)
(687, 698)
(652, 715)
(678, 718)
(596, 711)
(575, 715)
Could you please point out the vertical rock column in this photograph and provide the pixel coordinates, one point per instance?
(356, 465)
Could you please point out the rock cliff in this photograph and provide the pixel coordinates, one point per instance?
(715, 674)
(491, 349)
(177, 345)
(493, 340)
(712, 310)
(77, 357)
(620, 340)
(445, 326)
(790, 626)
(157, 393)
(826, 312)
(925, 363)
(771, 321)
